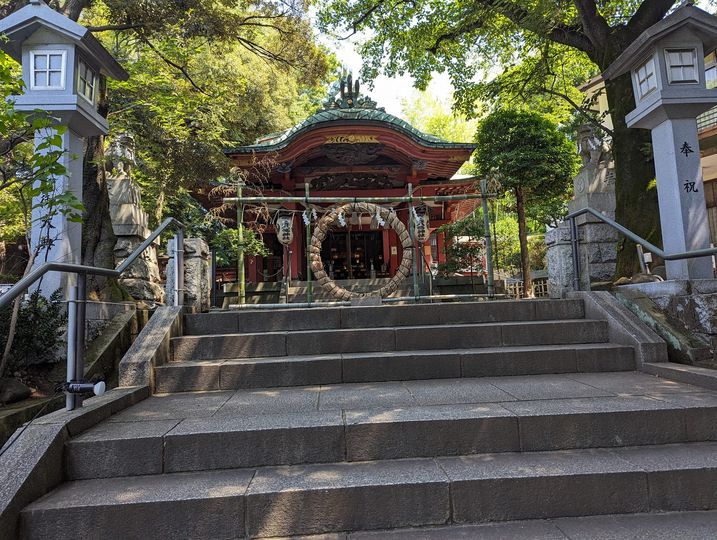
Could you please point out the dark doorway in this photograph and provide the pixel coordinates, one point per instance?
(352, 255)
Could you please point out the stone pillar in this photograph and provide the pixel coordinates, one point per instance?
(594, 187)
(197, 274)
(59, 239)
(130, 224)
(681, 195)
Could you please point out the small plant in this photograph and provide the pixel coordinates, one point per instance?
(40, 327)
(226, 243)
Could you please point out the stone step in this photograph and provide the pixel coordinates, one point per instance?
(322, 318)
(325, 498)
(401, 338)
(236, 441)
(391, 366)
(697, 525)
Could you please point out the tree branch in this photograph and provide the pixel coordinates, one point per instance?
(176, 66)
(116, 27)
(581, 110)
(649, 12)
(594, 25)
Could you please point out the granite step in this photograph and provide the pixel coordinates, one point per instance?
(696, 525)
(335, 497)
(400, 338)
(227, 440)
(324, 318)
(391, 366)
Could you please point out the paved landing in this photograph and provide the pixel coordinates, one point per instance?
(667, 526)
(583, 389)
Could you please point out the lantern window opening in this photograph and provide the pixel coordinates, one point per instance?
(646, 78)
(47, 69)
(682, 66)
(711, 70)
(86, 81)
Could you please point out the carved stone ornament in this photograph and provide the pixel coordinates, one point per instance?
(324, 227)
(352, 154)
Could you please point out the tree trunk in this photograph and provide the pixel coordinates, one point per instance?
(523, 238)
(98, 239)
(637, 207)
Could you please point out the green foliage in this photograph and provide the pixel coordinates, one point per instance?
(204, 76)
(464, 245)
(26, 172)
(39, 331)
(226, 243)
(527, 151)
(433, 115)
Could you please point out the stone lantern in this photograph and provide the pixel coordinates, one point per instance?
(62, 68)
(666, 63)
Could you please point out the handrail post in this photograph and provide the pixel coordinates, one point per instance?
(70, 398)
(486, 236)
(309, 285)
(412, 235)
(179, 267)
(241, 276)
(81, 309)
(576, 261)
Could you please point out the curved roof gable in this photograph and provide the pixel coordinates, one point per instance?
(349, 109)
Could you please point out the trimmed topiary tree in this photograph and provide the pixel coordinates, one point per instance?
(533, 159)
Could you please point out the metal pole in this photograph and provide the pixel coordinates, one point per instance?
(488, 247)
(576, 262)
(81, 308)
(309, 286)
(288, 276)
(641, 259)
(179, 268)
(486, 236)
(241, 277)
(70, 399)
(416, 290)
(214, 278)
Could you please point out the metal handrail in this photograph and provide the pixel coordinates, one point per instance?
(78, 294)
(574, 240)
(70, 268)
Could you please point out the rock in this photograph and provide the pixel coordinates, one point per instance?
(140, 289)
(645, 278)
(12, 390)
(660, 271)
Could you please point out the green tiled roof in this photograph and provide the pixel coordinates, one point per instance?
(280, 140)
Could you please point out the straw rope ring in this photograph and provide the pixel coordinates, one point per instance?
(324, 227)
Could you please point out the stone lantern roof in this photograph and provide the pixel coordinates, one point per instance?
(700, 23)
(20, 25)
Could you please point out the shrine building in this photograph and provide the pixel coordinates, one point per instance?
(352, 148)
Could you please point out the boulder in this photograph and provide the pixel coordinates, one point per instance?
(12, 390)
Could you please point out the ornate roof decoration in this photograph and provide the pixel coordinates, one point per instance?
(346, 106)
(349, 96)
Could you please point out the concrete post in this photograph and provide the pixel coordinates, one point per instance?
(680, 192)
(58, 239)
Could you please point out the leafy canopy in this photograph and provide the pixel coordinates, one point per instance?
(527, 151)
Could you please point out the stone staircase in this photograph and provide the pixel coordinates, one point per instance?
(412, 421)
(298, 289)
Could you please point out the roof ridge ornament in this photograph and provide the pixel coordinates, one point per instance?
(349, 95)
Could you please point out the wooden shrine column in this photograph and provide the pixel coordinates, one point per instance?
(441, 247)
(251, 269)
(386, 248)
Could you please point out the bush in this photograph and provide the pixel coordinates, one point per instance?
(40, 326)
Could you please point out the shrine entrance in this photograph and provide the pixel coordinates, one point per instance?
(353, 254)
